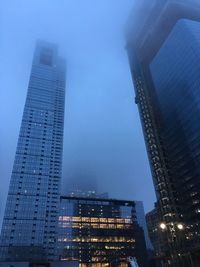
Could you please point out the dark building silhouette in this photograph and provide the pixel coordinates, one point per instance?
(164, 51)
(100, 232)
(153, 225)
(139, 207)
(30, 220)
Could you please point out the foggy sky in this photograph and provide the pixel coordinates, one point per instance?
(103, 138)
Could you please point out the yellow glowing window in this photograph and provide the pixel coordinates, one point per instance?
(120, 220)
(94, 219)
(105, 220)
(120, 226)
(86, 225)
(85, 219)
(103, 226)
(111, 226)
(95, 225)
(76, 219)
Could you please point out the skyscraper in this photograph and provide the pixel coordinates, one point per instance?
(164, 50)
(30, 220)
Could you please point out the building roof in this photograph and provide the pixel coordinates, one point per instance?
(117, 201)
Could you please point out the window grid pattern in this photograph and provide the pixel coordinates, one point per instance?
(29, 226)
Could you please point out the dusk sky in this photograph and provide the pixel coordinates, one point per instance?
(103, 138)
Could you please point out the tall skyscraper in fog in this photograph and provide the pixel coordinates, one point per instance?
(164, 51)
(30, 220)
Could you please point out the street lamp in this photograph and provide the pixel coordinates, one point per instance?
(163, 226)
(175, 239)
(180, 226)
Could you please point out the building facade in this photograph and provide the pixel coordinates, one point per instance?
(42, 264)
(86, 194)
(99, 232)
(30, 219)
(163, 49)
(153, 225)
(139, 208)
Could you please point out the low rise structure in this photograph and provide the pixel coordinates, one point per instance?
(100, 232)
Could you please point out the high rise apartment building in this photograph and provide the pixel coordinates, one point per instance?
(30, 220)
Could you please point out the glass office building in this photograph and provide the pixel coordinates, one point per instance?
(30, 219)
(99, 232)
(175, 73)
(164, 51)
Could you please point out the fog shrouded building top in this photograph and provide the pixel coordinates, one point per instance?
(30, 220)
(164, 50)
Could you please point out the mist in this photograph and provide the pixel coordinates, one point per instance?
(103, 140)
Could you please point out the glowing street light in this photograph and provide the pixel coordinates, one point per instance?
(180, 226)
(163, 226)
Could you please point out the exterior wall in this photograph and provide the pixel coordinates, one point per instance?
(98, 232)
(65, 264)
(27, 264)
(154, 231)
(30, 220)
(163, 56)
(176, 76)
(142, 222)
(14, 264)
